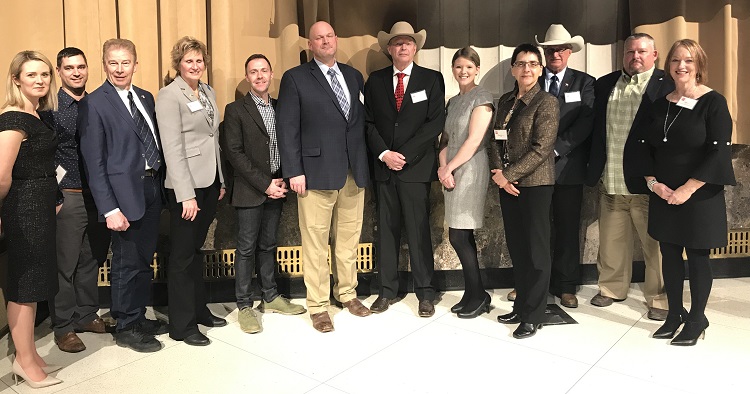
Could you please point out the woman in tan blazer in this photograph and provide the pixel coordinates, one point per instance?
(188, 119)
(523, 167)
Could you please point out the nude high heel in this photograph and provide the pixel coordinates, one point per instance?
(49, 368)
(19, 373)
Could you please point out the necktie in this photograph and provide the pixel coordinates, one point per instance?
(339, 92)
(553, 89)
(399, 93)
(144, 132)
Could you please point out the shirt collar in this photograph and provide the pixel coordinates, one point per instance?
(64, 100)
(548, 74)
(526, 98)
(258, 100)
(324, 67)
(406, 71)
(639, 78)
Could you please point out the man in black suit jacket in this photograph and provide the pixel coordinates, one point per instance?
(124, 167)
(323, 153)
(405, 112)
(256, 191)
(575, 92)
(622, 106)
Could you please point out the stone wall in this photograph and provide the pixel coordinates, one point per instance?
(490, 239)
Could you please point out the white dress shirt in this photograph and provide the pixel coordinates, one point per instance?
(406, 71)
(339, 76)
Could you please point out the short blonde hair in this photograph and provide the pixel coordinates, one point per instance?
(118, 43)
(13, 95)
(699, 57)
(184, 46)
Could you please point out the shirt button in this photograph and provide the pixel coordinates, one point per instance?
(716, 142)
(142, 177)
(211, 135)
(396, 124)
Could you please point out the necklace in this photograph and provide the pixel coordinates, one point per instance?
(666, 128)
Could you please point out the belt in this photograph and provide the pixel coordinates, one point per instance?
(151, 173)
(73, 190)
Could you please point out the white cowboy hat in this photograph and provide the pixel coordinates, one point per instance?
(401, 29)
(558, 35)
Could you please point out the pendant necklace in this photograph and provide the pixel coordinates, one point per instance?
(666, 128)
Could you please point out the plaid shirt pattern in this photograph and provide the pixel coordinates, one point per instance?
(621, 109)
(269, 120)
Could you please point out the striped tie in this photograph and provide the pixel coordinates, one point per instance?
(144, 132)
(339, 92)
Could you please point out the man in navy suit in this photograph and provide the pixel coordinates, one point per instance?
(405, 107)
(322, 144)
(124, 164)
(575, 92)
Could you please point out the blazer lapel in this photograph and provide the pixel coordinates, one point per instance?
(114, 99)
(190, 96)
(390, 88)
(567, 82)
(252, 110)
(415, 84)
(317, 73)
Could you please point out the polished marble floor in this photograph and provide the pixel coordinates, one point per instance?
(609, 351)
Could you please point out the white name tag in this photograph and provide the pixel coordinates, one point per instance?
(60, 173)
(195, 106)
(687, 102)
(572, 97)
(418, 96)
(501, 134)
(361, 98)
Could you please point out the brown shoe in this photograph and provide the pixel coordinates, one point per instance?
(426, 309)
(381, 304)
(356, 308)
(569, 300)
(97, 325)
(512, 295)
(70, 343)
(322, 322)
(602, 301)
(657, 314)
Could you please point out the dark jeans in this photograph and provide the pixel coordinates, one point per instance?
(256, 242)
(185, 285)
(132, 255)
(81, 238)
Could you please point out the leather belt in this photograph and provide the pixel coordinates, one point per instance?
(151, 173)
(73, 190)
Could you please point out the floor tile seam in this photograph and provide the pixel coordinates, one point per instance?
(640, 378)
(328, 385)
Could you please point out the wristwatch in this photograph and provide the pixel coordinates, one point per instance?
(650, 184)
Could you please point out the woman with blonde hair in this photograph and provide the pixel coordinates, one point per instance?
(28, 195)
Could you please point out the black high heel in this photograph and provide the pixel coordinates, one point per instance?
(671, 325)
(484, 307)
(691, 332)
(460, 305)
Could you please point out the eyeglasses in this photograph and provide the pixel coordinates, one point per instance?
(553, 50)
(522, 65)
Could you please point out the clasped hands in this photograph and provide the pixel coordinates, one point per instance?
(504, 183)
(277, 189)
(673, 197)
(394, 160)
(445, 175)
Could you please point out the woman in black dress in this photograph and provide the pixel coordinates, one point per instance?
(686, 159)
(28, 192)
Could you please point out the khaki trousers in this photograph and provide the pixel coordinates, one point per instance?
(317, 208)
(617, 216)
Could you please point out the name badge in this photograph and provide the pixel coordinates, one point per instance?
(501, 134)
(418, 96)
(195, 106)
(361, 98)
(687, 102)
(60, 173)
(572, 97)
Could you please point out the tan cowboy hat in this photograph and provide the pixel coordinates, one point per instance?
(558, 35)
(401, 29)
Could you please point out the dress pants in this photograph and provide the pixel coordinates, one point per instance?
(617, 216)
(317, 208)
(79, 234)
(256, 250)
(405, 205)
(566, 226)
(527, 233)
(132, 256)
(185, 285)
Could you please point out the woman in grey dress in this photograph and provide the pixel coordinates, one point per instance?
(464, 173)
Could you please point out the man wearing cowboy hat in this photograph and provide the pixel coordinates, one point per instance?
(404, 114)
(575, 92)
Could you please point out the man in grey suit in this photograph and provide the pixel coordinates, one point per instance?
(323, 153)
(256, 191)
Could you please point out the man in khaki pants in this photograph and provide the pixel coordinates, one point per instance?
(322, 145)
(623, 103)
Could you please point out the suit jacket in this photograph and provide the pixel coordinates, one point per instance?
(573, 141)
(315, 137)
(531, 137)
(190, 144)
(413, 131)
(113, 152)
(244, 141)
(657, 87)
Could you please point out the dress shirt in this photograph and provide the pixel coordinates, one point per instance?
(269, 120)
(548, 76)
(67, 154)
(407, 72)
(339, 76)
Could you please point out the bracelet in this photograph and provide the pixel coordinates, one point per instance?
(650, 184)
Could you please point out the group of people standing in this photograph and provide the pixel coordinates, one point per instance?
(116, 156)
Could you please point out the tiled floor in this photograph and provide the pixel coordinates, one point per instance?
(610, 350)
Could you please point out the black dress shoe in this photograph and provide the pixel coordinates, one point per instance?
(526, 330)
(212, 321)
(509, 318)
(381, 304)
(197, 339)
(483, 307)
(136, 339)
(153, 327)
(426, 309)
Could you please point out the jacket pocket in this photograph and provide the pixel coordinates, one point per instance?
(191, 152)
(310, 151)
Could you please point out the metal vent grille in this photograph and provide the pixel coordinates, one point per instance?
(738, 245)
